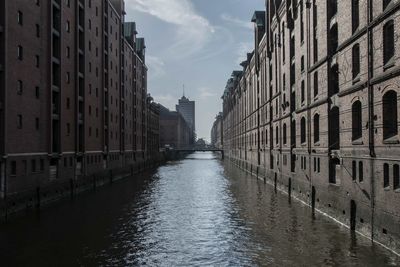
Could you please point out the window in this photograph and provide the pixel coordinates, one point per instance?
(303, 130)
(33, 165)
(386, 182)
(67, 77)
(356, 120)
(67, 52)
(332, 8)
(37, 123)
(37, 92)
(13, 167)
(41, 165)
(68, 129)
(283, 43)
(67, 26)
(354, 170)
(301, 22)
(389, 114)
(386, 3)
(20, 18)
(356, 60)
(315, 83)
(266, 137)
(388, 42)
(355, 15)
(19, 121)
(302, 63)
(37, 59)
(360, 172)
(20, 52)
(37, 30)
(68, 103)
(284, 134)
(316, 128)
(315, 164)
(396, 177)
(302, 92)
(20, 87)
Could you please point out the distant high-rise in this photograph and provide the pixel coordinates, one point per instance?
(187, 109)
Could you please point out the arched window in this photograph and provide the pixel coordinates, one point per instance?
(386, 182)
(315, 83)
(355, 14)
(385, 4)
(333, 39)
(356, 119)
(356, 60)
(360, 172)
(266, 137)
(389, 114)
(277, 134)
(354, 174)
(388, 42)
(284, 134)
(316, 128)
(293, 133)
(396, 177)
(303, 94)
(303, 130)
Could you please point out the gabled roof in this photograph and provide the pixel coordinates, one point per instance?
(259, 18)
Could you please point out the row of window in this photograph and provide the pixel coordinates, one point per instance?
(20, 122)
(35, 166)
(386, 174)
(389, 121)
(395, 176)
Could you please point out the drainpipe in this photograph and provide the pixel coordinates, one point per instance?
(308, 6)
(278, 57)
(371, 135)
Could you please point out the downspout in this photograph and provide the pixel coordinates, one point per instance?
(371, 135)
(308, 6)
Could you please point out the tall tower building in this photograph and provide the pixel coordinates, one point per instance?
(187, 109)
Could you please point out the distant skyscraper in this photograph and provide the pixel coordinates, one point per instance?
(187, 109)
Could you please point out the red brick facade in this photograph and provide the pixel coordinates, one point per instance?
(315, 109)
(73, 92)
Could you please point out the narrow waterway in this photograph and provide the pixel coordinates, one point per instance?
(193, 212)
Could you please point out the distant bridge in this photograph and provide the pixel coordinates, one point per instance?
(188, 150)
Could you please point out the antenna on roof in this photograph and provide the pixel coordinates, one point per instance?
(183, 90)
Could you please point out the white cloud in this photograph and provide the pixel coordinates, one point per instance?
(192, 30)
(236, 21)
(205, 92)
(156, 66)
(242, 49)
(166, 100)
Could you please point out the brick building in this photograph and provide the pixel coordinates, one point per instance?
(216, 132)
(315, 109)
(73, 92)
(174, 130)
(153, 127)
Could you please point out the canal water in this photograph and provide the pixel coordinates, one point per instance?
(193, 212)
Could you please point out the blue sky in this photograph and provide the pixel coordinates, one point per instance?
(196, 43)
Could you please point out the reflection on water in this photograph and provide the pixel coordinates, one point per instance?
(191, 212)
